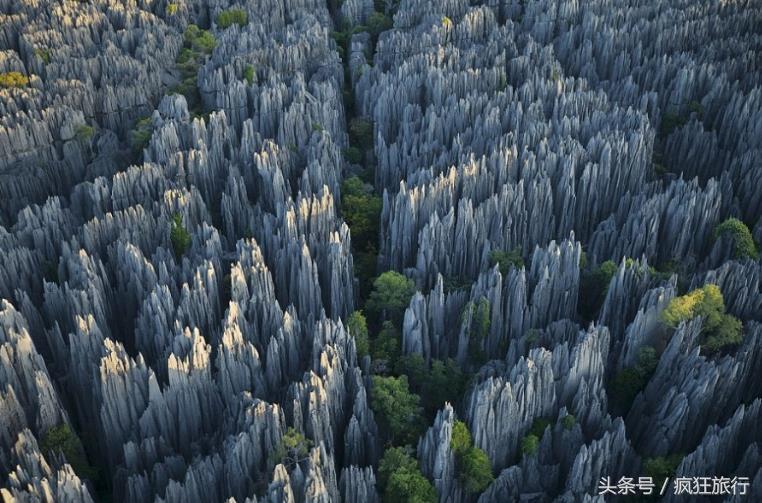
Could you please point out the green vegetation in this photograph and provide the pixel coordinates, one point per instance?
(361, 133)
(480, 323)
(353, 155)
(443, 382)
(506, 259)
(61, 439)
(473, 466)
(400, 479)
(84, 132)
(13, 79)
(446, 22)
(390, 297)
(628, 382)
(743, 242)
(248, 74)
(720, 330)
(568, 421)
(358, 328)
(594, 284)
(661, 468)
(529, 445)
(230, 17)
(378, 22)
(361, 209)
(179, 236)
(197, 44)
(538, 426)
(397, 409)
(386, 346)
(172, 9)
(43, 54)
(293, 448)
(141, 135)
(671, 121)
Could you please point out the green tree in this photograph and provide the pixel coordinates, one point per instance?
(293, 448)
(377, 23)
(141, 135)
(361, 133)
(395, 458)
(661, 468)
(358, 328)
(568, 421)
(61, 439)
(480, 324)
(230, 17)
(84, 132)
(719, 330)
(743, 242)
(529, 444)
(476, 471)
(179, 236)
(361, 208)
(13, 79)
(473, 466)
(386, 346)
(391, 295)
(506, 259)
(248, 74)
(407, 486)
(445, 382)
(397, 409)
(594, 285)
(630, 381)
(460, 441)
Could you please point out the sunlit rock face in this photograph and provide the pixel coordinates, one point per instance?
(179, 262)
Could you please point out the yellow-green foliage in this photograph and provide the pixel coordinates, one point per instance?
(720, 330)
(473, 466)
(179, 236)
(43, 54)
(13, 79)
(172, 9)
(229, 17)
(743, 242)
(84, 132)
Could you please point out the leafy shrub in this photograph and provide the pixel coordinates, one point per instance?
(480, 324)
(473, 466)
(538, 426)
(743, 242)
(361, 209)
(293, 448)
(391, 295)
(719, 331)
(568, 421)
(443, 382)
(358, 328)
(669, 122)
(408, 486)
(506, 259)
(353, 155)
(13, 79)
(248, 74)
(43, 54)
(629, 381)
(361, 133)
(230, 17)
(594, 285)
(172, 9)
(61, 439)
(394, 459)
(529, 445)
(198, 40)
(377, 23)
(661, 468)
(397, 409)
(84, 132)
(179, 236)
(141, 135)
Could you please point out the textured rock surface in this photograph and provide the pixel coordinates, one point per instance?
(176, 274)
